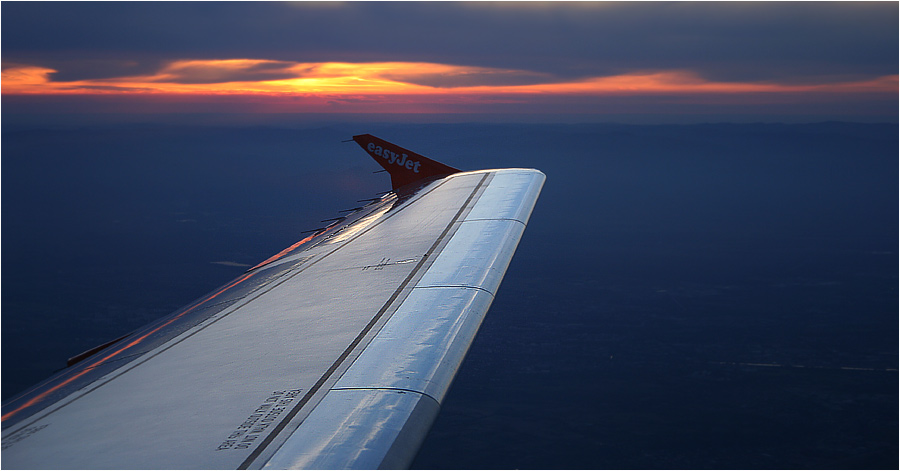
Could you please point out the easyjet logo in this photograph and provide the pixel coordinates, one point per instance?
(402, 160)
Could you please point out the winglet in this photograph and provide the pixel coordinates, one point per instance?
(405, 166)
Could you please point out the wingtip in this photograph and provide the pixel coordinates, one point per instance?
(405, 166)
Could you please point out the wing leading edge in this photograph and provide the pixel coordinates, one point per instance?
(335, 353)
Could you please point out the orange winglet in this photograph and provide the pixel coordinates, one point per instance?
(404, 165)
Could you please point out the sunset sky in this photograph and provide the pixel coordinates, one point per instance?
(731, 61)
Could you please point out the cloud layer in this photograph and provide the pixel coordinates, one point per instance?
(805, 41)
(454, 53)
(252, 76)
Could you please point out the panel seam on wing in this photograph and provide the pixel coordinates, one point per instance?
(479, 288)
(497, 219)
(403, 390)
(381, 317)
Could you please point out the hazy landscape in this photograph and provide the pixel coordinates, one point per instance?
(685, 296)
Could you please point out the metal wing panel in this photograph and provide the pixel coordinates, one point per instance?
(421, 346)
(511, 194)
(359, 428)
(418, 351)
(226, 381)
(477, 255)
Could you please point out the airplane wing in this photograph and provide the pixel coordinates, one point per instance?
(334, 353)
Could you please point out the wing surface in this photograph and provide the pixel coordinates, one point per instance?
(334, 353)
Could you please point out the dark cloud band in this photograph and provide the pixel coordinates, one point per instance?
(801, 42)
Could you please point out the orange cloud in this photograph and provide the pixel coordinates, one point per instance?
(25, 79)
(340, 80)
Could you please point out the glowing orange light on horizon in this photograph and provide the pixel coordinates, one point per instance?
(282, 78)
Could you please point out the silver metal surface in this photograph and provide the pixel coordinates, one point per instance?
(327, 348)
(354, 428)
(476, 256)
(421, 346)
(511, 194)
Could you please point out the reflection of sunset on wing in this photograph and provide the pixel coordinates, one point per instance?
(121, 348)
(335, 79)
